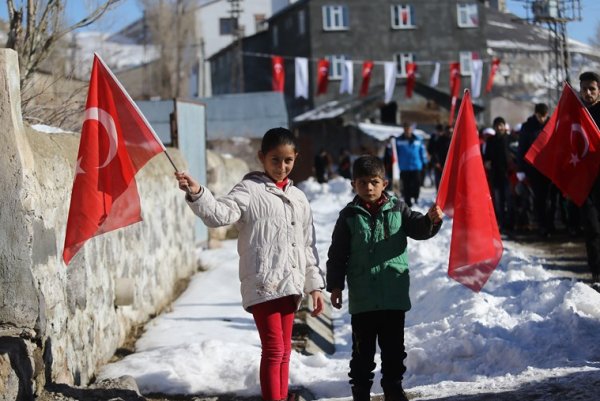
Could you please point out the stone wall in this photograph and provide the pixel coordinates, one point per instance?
(59, 323)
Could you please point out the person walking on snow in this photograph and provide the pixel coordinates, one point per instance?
(412, 158)
(369, 251)
(589, 89)
(276, 244)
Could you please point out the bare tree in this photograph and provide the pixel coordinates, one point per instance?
(36, 26)
(595, 39)
(35, 29)
(171, 26)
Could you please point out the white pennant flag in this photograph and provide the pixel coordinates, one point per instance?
(347, 85)
(301, 77)
(435, 77)
(389, 68)
(476, 76)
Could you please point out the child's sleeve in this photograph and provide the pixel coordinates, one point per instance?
(217, 212)
(337, 257)
(417, 225)
(313, 279)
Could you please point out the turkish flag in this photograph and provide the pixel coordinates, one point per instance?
(367, 69)
(116, 141)
(475, 246)
(278, 73)
(493, 69)
(322, 76)
(568, 149)
(411, 77)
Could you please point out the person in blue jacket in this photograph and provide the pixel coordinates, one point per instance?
(412, 158)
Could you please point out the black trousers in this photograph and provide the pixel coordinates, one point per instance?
(386, 328)
(591, 223)
(411, 185)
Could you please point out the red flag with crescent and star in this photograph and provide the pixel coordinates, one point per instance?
(476, 246)
(322, 76)
(367, 69)
(116, 141)
(568, 149)
(278, 73)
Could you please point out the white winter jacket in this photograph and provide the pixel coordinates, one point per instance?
(276, 241)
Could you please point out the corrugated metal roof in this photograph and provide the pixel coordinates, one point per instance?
(247, 115)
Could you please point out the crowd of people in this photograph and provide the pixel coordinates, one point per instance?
(526, 202)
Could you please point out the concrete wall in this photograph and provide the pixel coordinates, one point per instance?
(59, 323)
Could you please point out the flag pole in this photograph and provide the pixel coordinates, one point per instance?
(138, 110)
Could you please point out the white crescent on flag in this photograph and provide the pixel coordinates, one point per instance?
(106, 120)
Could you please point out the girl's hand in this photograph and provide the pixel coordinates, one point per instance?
(435, 213)
(317, 300)
(336, 298)
(187, 183)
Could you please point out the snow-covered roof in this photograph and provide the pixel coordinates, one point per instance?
(506, 31)
(118, 55)
(385, 132)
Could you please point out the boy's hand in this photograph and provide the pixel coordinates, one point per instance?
(187, 183)
(435, 213)
(336, 298)
(317, 299)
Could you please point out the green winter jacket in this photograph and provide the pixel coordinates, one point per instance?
(370, 252)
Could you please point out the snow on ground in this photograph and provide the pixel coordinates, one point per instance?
(526, 325)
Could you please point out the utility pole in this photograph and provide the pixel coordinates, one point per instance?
(555, 14)
(237, 64)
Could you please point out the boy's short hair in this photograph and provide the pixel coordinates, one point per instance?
(589, 76)
(541, 108)
(498, 120)
(368, 166)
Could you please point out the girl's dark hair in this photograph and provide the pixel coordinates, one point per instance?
(275, 137)
(368, 166)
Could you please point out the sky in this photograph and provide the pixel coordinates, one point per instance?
(527, 326)
(127, 11)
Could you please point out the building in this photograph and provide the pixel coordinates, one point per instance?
(422, 32)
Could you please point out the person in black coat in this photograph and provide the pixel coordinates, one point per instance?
(540, 185)
(589, 89)
(499, 163)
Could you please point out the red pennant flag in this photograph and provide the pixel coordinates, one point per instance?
(454, 89)
(494, 67)
(454, 79)
(411, 77)
(278, 73)
(568, 149)
(475, 247)
(116, 141)
(366, 77)
(322, 76)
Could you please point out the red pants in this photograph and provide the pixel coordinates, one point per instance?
(274, 320)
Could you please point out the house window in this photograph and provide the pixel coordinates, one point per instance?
(403, 16)
(301, 22)
(275, 38)
(227, 26)
(335, 18)
(465, 62)
(336, 66)
(401, 60)
(467, 15)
